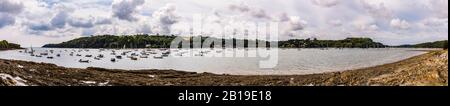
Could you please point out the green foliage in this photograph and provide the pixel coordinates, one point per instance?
(446, 45)
(436, 44)
(159, 41)
(110, 41)
(6, 45)
(346, 43)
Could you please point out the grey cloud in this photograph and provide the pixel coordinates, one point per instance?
(6, 19)
(254, 12)
(40, 27)
(81, 23)
(59, 20)
(102, 21)
(325, 3)
(283, 17)
(8, 10)
(125, 9)
(6, 6)
(260, 14)
(164, 18)
(147, 29)
(240, 7)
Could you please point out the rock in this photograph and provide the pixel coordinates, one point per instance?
(20, 66)
(151, 76)
(8, 80)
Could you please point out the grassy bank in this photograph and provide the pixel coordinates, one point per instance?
(426, 69)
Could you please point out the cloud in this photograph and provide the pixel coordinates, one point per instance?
(8, 12)
(260, 14)
(102, 21)
(439, 7)
(81, 22)
(291, 25)
(8, 6)
(378, 10)
(325, 3)
(392, 21)
(6, 19)
(40, 27)
(399, 24)
(144, 28)
(59, 20)
(126, 9)
(335, 23)
(297, 24)
(244, 9)
(239, 7)
(435, 22)
(164, 18)
(365, 24)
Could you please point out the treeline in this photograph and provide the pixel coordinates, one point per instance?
(346, 43)
(6, 45)
(111, 41)
(157, 41)
(436, 44)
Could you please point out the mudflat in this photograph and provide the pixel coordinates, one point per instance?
(427, 69)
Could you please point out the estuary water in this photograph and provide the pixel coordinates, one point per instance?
(219, 61)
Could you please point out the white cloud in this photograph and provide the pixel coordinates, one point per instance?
(291, 25)
(365, 24)
(400, 24)
(164, 18)
(335, 23)
(439, 7)
(434, 22)
(377, 9)
(390, 21)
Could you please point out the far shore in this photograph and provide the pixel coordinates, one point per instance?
(427, 69)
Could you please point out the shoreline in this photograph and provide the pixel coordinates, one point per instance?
(233, 71)
(427, 69)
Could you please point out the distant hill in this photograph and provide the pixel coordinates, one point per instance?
(345, 43)
(436, 44)
(4, 45)
(156, 41)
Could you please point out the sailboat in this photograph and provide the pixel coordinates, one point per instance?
(31, 51)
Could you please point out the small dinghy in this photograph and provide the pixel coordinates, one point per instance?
(119, 57)
(133, 58)
(83, 61)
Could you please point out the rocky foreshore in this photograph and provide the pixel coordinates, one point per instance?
(424, 70)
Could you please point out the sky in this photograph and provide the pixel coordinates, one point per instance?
(392, 22)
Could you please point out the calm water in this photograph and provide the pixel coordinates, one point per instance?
(290, 61)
